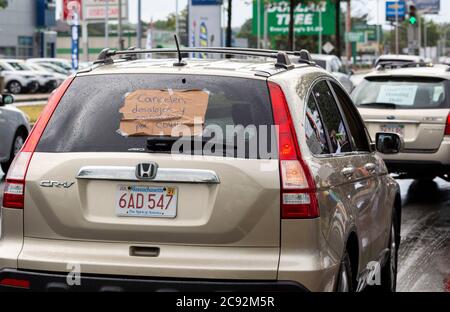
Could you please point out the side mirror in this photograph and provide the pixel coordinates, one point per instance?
(6, 99)
(388, 143)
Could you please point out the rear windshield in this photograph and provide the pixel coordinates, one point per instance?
(92, 115)
(402, 93)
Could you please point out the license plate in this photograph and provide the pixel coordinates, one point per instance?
(399, 129)
(146, 201)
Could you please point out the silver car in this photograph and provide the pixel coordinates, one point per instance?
(14, 129)
(333, 64)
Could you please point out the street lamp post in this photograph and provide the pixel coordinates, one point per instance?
(139, 25)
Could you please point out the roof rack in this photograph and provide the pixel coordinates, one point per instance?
(283, 60)
(395, 64)
(303, 55)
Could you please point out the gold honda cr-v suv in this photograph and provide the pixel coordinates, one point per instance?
(200, 174)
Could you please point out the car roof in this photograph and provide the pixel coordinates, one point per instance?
(435, 71)
(399, 57)
(248, 67)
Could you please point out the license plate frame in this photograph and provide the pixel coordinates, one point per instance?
(393, 128)
(137, 200)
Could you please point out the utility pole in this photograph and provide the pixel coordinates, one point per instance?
(321, 29)
(177, 22)
(139, 25)
(266, 30)
(348, 29)
(425, 38)
(258, 24)
(291, 40)
(84, 33)
(378, 28)
(106, 23)
(338, 28)
(119, 27)
(396, 31)
(229, 30)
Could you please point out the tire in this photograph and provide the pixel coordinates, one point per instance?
(345, 277)
(390, 268)
(14, 87)
(19, 140)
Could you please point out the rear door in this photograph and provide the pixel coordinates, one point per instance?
(377, 215)
(415, 108)
(351, 189)
(95, 177)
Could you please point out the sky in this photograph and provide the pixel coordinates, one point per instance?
(242, 10)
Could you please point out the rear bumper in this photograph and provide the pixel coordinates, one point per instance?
(417, 167)
(42, 281)
(421, 163)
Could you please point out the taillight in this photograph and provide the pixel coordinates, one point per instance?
(447, 126)
(14, 191)
(298, 191)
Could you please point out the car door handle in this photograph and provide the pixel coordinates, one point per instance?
(348, 171)
(370, 167)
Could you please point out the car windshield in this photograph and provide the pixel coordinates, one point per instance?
(402, 93)
(19, 66)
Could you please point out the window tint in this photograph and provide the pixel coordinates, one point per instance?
(88, 119)
(314, 131)
(332, 119)
(355, 125)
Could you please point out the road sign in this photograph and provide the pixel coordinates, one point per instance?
(328, 47)
(71, 7)
(306, 18)
(394, 9)
(355, 36)
(428, 6)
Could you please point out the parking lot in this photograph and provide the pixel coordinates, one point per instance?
(425, 247)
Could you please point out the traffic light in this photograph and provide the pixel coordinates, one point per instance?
(412, 15)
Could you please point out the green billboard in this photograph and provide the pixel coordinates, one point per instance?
(309, 19)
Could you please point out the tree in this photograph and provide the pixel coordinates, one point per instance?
(3, 4)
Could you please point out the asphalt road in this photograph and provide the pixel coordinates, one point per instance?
(424, 255)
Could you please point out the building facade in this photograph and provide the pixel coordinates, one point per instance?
(25, 29)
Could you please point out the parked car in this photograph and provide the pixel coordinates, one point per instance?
(14, 129)
(397, 59)
(56, 77)
(61, 63)
(192, 176)
(47, 81)
(52, 68)
(18, 81)
(414, 103)
(334, 65)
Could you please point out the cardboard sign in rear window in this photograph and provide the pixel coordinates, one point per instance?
(163, 112)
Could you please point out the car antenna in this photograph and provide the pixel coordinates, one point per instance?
(180, 58)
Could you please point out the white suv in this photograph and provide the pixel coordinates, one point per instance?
(17, 81)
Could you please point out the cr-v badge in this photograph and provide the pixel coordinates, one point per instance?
(57, 184)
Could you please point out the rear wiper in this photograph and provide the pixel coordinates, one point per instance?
(377, 104)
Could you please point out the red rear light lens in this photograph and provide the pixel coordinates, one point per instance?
(298, 192)
(447, 127)
(14, 191)
(12, 282)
